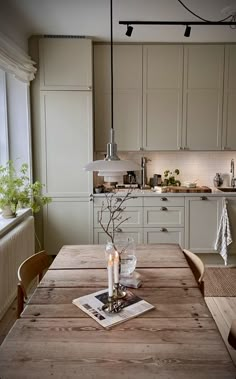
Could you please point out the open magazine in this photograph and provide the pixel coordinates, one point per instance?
(92, 304)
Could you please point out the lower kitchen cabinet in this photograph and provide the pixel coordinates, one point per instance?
(100, 237)
(164, 235)
(202, 217)
(68, 221)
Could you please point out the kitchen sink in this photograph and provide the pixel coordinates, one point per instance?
(227, 189)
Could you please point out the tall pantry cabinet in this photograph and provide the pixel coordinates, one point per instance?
(62, 137)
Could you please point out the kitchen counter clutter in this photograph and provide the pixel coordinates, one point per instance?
(181, 218)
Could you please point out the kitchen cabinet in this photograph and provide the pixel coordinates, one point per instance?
(63, 139)
(132, 227)
(65, 63)
(164, 220)
(229, 110)
(162, 96)
(202, 217)
(66, 222)
(203, 97)
(127, 75)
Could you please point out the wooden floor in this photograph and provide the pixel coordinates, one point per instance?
(223, 310)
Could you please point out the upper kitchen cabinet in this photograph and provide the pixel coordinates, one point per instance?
(65, 63)
(162, 96)
(127, 68)
(229, 112)
(203, 97)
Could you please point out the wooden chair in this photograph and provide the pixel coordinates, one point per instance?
(197, 267)
(232, 334)
(29, 270)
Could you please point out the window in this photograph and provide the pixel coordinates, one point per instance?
(15, 136)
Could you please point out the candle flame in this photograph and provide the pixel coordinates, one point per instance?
(116, 259)
(110, 260)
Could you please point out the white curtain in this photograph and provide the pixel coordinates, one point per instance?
(16, 61)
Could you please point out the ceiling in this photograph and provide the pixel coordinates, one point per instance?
(20, 19)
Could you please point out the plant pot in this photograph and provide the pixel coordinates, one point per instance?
(7, 212)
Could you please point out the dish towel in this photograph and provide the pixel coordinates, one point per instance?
(224, 237)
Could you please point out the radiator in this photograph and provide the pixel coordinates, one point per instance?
(15, 247)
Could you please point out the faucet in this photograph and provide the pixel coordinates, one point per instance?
(144, 161)
(232, 172)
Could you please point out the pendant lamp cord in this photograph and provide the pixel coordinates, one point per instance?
(111, 43)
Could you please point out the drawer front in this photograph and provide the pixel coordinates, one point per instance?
(101, 238)
(164, 216)
(136, 202)
(164, 201)
(165, 235)
(133, 217)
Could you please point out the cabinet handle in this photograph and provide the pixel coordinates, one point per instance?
(186, 148)
(119, 200)
(164, 199)
(164, 230)
(180, 148)
(119, 230)
(226, 148)
(141, 148)
(164, 209)
(204, 198)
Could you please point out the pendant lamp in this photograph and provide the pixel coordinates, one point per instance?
(112, 167)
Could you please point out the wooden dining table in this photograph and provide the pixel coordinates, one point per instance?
(177, 339)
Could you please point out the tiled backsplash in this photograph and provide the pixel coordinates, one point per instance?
(200, 166)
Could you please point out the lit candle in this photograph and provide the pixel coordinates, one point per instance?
(116, 267)
(110, 275)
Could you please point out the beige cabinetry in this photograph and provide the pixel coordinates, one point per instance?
(203, 97)
(202, 217)
(162, 96)
(65, 63)
(132, 227)
(164, 220)
(62, 132)
(127, 93)
(229, 112)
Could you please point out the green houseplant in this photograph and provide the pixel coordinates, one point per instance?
(16, 190)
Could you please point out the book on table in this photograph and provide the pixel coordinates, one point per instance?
(132, 306)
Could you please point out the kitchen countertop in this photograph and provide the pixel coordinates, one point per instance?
(139, 192)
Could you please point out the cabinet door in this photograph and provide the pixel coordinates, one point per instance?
(229, 129)
(65, 63)
(162, 101)
(127, 96)
(203, 94)
(101, 238)
(163, 216)
(66, 142)
(202, 223)
(164, 235)
(67, 222)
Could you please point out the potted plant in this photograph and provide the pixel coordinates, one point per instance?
(16, 191)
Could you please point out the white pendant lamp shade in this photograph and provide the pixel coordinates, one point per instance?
(112, 167)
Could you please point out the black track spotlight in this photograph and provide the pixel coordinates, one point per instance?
(187, 31)
(129, 30)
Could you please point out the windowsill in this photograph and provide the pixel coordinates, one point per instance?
(6, 224)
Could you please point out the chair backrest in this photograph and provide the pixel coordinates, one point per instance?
(30, 269)
(197, 267)
(232, 335)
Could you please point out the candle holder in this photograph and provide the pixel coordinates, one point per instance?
(119, 291)
(113, 305)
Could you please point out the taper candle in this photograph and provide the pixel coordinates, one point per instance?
(110, 275)
(116, 267)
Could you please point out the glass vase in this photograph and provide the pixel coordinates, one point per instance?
(126, 249)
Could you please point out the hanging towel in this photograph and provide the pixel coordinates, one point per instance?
(224, 238)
